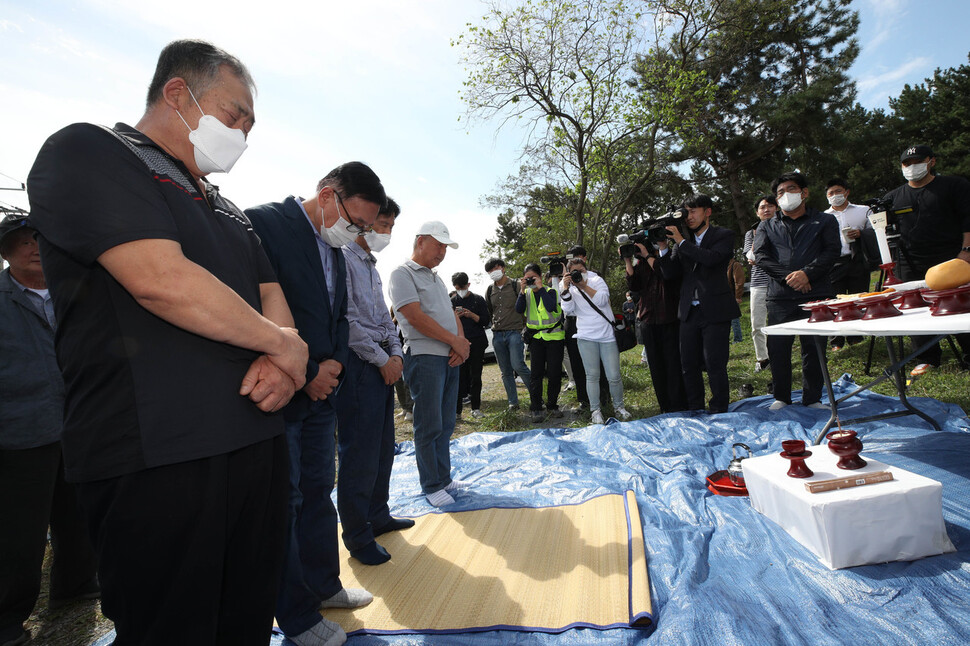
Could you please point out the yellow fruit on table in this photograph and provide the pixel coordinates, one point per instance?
(949, 274)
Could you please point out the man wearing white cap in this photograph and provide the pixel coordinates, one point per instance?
(434, 347)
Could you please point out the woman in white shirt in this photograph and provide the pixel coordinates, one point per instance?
(594, 335)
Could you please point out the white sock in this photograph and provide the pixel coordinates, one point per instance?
(440, 498)
(323, 633)
(456, 485)
(348, 598)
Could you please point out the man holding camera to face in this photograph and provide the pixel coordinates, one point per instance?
(707, 305)
(659, 325)
(546, 337)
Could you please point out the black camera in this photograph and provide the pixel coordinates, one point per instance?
(556, 261)
(880, 205)
(628, 242)
(657, 227)
(530, 281)
(576, 276)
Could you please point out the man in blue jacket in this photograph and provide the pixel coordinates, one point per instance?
(302, 239)
(797, 248)
(35, 494)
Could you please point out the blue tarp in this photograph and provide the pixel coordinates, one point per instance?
(721, 573)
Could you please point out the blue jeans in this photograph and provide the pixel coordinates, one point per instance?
(593, 352)
(365, 432)
(434, 388)
(736, 330)
(311, 566)
(509, 353)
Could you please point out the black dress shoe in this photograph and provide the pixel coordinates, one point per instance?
(371, 554)
(393, 525)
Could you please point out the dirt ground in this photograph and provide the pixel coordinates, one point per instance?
(82, 623)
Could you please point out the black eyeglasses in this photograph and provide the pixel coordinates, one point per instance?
(352, 227)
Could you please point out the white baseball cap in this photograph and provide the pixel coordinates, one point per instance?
(438, 231)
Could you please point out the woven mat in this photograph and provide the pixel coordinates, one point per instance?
(545, 570)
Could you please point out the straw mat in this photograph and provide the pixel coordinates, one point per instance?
(545, 569)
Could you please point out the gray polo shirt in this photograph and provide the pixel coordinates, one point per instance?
(413, 283)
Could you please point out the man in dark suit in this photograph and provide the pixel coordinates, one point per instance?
(707, 304)
(302, 239)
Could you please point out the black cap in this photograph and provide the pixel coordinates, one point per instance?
(11, 223)
(916, 152)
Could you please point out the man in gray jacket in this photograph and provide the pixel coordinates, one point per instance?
(31, 472)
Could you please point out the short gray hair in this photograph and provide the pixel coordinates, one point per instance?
(199, 63)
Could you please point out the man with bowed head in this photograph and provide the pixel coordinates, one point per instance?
(303, 239)
(175, 341)
(365, 409)
(435, 345)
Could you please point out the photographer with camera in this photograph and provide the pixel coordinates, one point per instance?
(936, 230)
(657, 320)
(546, 337)
(707, 305)
(586, 296)
(797, 249)
(474, 317)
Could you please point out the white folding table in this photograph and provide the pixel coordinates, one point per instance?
(914, 322)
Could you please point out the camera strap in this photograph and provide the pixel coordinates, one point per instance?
(598, 310)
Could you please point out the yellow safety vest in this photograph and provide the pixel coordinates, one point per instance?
(549, 326)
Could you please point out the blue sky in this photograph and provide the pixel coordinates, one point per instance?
(372, 80)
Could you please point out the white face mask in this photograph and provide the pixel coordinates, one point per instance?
(915, 172)
(217, 146)
(836, 200)
(496, 275)
(463, 293)
(377, 241)
(337, 235)
(790, 201)
(585, 276)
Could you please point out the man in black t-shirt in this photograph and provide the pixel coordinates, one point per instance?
(175, 342)
(936, 230)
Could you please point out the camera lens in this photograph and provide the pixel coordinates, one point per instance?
(576, 276)
(530, 281)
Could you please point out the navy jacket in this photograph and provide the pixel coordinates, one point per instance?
(31, 387)
(291, 245)
(810, 244)
(703, 270)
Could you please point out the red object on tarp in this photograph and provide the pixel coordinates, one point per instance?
(720, 484)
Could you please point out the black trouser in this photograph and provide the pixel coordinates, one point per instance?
(190, 553)
(546, 364)
(470, 373)
(850, 276)
(33, 495)
(662, 342)
(576, 362)
(705, 343)
(780, 351)
(915, 269)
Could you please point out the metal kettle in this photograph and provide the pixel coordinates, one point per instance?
(735, 470)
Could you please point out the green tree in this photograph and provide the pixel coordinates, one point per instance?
(780, 71)
(565, 70)
(937, 113)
